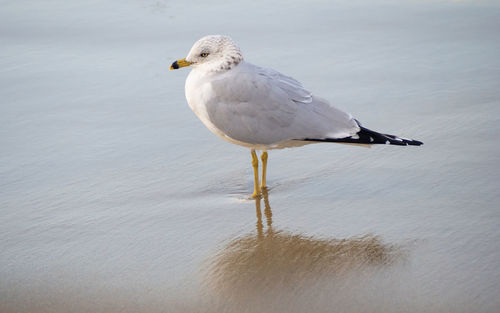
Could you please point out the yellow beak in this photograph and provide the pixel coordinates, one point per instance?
(179, 63)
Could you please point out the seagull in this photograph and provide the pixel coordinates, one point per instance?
(262, 109)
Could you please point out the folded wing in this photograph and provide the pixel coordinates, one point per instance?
(262, 106)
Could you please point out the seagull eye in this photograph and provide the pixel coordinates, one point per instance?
(204, 55)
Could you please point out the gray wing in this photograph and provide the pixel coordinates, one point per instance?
(293, 88)
(262, 106)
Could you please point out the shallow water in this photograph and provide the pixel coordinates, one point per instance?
(115, 198)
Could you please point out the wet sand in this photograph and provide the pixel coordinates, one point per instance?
(115, 198)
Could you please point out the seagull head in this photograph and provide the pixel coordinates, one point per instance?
(212, 53)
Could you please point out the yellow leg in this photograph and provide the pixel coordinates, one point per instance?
(255, 164)
(263, 157)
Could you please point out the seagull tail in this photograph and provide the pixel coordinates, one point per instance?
(369, 137)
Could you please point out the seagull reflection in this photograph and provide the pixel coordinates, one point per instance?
(273, 258)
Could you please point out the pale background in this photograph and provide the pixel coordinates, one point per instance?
(115, 198)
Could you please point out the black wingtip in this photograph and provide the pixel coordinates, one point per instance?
(369, 137)
(415, 143)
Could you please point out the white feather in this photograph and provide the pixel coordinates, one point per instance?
(259, 107)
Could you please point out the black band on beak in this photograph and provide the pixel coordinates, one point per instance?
(175, 65)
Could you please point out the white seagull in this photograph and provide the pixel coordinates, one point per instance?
(261, 108)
